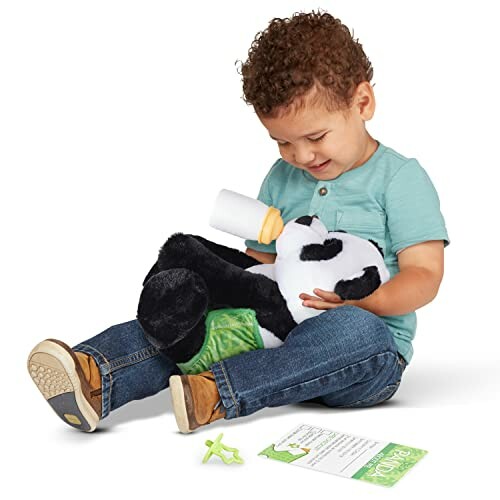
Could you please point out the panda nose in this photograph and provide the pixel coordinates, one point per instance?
(305, 220)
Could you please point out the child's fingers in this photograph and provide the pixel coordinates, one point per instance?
(328, 296)
(305, 296)
(327, 300)
(321, 304)
(322, 295)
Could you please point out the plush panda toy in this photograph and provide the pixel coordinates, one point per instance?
(308, 257)
(203, 302)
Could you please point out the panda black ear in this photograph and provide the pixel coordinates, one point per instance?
(305, 220)
(377, 246)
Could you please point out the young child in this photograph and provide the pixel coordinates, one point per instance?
(308, 81)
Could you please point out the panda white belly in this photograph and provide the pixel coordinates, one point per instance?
(295, 276)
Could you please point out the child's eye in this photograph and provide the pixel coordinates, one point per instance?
(318, 138)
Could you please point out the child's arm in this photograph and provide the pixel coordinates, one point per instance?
(421, 271)
(264, 257)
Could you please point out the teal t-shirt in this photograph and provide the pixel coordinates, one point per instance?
(389, 199)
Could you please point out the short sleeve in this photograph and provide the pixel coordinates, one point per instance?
(413, 209)
(264, 196)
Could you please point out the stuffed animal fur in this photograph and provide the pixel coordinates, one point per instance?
(194, 276)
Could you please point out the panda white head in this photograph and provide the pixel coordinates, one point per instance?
(297, 233)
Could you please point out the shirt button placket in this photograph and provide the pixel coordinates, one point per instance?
(318, 202)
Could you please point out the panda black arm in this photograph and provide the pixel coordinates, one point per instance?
(361, 287)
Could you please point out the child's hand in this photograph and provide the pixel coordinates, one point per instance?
(324, 299)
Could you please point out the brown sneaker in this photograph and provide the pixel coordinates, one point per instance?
(69, 381)
(195, 400)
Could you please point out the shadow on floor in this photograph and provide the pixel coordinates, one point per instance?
(425, 385)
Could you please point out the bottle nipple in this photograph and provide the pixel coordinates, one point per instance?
(272, 226)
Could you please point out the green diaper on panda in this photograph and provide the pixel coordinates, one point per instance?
(228, 332)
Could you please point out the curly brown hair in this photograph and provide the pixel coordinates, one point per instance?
(295, 54)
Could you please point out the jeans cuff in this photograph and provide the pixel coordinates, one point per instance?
(104, 368)
(225, 390)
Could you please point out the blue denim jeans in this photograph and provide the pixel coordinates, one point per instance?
(345, 357)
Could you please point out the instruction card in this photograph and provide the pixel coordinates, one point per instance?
(345, 455)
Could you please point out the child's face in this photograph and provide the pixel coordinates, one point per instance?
(324, 143)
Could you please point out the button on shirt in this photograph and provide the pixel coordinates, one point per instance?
(389, 199)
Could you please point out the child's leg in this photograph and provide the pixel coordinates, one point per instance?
(343, 357)
(129, 368)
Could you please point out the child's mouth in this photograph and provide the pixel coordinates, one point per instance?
(319, 167)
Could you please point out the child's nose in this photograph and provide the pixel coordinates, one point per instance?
(303, 155)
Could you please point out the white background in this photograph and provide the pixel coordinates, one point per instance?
(120, 122)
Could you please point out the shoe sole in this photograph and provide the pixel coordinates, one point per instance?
(52, 367)
(179, 403)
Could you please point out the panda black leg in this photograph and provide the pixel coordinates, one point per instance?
(180, 250)
(232, 255)
(172, 310)
(359, 288)
(228, 283)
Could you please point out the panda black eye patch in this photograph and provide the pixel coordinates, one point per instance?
(321, 251)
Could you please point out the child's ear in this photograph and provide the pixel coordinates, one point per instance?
(364, 99)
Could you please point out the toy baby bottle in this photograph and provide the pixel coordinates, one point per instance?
(246, 217)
